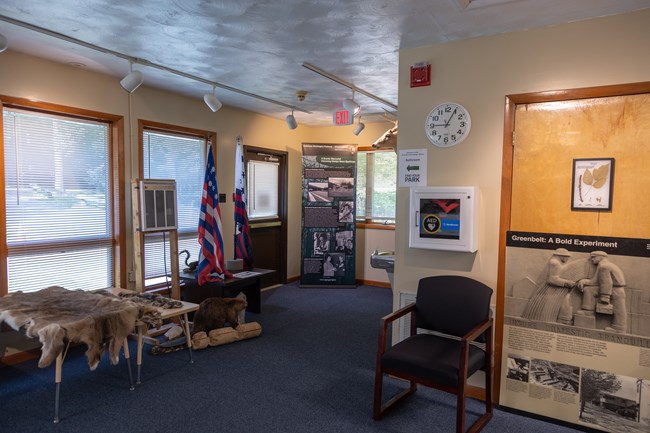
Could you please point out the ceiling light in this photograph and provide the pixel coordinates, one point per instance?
(359, 127)
(291, 121)
(212, 101)
(3, 43)
(132, 81)
(351, 105)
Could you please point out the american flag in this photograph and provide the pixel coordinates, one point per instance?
(211, 265)
(243, 244)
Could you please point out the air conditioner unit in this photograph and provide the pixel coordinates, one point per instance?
(157, 205)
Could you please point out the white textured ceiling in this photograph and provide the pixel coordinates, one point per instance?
(259, 46)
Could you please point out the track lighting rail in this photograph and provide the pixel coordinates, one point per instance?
(144, 62)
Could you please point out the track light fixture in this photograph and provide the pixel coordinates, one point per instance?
(212, 101)
(360, 126)
(3, 43)
(133, 80)
(291, 121)
(351, 105)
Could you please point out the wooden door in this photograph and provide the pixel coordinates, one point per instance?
(267, 210)
(543, 134)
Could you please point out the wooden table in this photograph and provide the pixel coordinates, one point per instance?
(251, 285)
(165, 313)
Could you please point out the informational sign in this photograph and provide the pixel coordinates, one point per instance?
(412, 167)
(328, 226)
(576, 337)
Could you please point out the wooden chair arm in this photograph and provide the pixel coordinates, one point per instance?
(478, 330)
(387, 320)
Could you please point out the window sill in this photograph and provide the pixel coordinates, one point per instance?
(375, 226)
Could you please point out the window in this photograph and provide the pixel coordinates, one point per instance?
(262, 189)
(58, 200)
(176, 153)
(376, 186)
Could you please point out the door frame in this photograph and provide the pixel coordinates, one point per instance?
(283, 193)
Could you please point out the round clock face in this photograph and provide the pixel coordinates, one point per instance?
(447, 124)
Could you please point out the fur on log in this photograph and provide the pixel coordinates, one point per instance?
(56, 316)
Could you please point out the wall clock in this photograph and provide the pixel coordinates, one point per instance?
(447, 124)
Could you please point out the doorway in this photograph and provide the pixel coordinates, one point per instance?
(266, 172)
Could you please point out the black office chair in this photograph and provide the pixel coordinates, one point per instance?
(457, 310)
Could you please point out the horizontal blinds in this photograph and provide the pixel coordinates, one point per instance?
(262, 189)
(181, 158)
(58, 209)
(384, 182)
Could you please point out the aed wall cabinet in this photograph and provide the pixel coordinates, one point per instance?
(444, 218)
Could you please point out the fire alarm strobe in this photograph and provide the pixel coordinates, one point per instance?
(420, 75)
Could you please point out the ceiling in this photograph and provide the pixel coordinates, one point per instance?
(259, 47)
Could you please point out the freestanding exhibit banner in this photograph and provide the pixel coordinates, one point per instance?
(576, 337)
(328, 210)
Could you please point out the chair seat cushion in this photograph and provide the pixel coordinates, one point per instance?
(432, 357)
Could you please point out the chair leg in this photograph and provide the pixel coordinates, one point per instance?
(460, 411)
(379, 382)
(380, 409)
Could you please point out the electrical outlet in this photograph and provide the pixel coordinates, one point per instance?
(222, 198)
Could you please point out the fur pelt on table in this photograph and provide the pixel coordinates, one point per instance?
(56, 316)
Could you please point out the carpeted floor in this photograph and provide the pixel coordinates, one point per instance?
(311, 370)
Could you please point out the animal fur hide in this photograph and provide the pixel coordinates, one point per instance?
(56, 316)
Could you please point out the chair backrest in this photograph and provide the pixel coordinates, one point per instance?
(451, 304)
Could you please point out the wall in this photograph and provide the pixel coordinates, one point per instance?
(478, 73)
(25, 76)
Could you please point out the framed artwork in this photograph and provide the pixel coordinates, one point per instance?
(592, 184)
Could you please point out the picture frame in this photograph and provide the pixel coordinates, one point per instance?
(592, 184)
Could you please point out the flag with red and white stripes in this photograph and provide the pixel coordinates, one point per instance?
(243, 244)
(211, 262)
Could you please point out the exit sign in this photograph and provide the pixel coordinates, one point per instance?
(343, 117)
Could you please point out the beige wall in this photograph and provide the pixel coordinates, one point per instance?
(24, 76)
(478, 73)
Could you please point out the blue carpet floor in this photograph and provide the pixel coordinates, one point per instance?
(311, 370)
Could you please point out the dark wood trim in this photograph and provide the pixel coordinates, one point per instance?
(4, 272)
(511, 102)
(282, 206)
(116, 172)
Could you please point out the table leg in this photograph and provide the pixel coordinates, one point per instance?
(57, 381)
(127, 356)
(141, 329)
(188, 337)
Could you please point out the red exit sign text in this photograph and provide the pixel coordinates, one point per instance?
(343, 117)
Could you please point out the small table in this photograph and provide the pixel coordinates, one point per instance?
(165, 313)
(250, 284)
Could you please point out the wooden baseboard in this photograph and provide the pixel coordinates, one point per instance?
(20, 357)
(373, 283)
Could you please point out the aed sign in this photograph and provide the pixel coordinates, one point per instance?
(343, 117)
